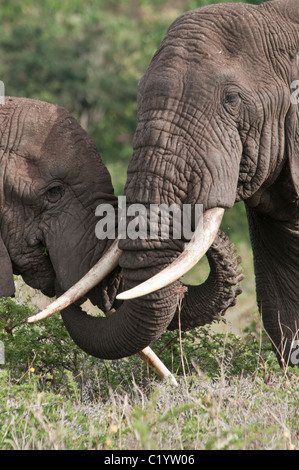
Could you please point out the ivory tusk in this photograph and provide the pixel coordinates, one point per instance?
(152, 360)
(199, 244)
(100, 270)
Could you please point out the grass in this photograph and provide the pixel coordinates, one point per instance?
(231, 393)
(239, 413)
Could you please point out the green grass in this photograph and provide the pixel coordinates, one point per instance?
(231, 392)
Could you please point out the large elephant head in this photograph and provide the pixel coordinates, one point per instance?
(216, 125)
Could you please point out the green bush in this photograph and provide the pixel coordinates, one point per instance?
(44, 347)
(46, 350)
(231, 393)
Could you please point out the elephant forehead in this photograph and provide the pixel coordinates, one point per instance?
(216, 31)
(25, 126)
(216, 21)
(42, 133)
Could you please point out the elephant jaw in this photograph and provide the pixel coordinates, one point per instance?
(95, 275)
(195, 250)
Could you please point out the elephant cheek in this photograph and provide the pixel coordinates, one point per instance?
(73, 252)
(41, 278)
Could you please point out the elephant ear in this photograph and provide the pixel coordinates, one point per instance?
(292, 126)
(7, 287)
(289, 10)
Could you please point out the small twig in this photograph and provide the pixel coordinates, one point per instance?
(181, 292)
(171, 340)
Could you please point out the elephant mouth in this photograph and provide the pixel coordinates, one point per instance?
(194, 251)
(41, 274)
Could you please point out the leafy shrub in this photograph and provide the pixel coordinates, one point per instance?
(231, 393)
(47, 348)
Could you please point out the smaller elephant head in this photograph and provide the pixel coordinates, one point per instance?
(52, 180)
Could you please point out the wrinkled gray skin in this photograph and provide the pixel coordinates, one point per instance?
(52, 181)
(215, 126)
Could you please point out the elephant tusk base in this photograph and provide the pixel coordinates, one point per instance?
(199, 244)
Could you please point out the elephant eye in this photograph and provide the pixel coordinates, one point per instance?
(55, 193)
(231, 101)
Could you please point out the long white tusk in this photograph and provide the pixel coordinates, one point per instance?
(100, 270)
(199, 244)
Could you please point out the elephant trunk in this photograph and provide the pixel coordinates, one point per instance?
(135, 324)
(121, 334)
(91, 334)
(138, 322)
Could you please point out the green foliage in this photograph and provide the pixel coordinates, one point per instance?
(46, 349)
(212, 353)
(88, 57)
(55, 397)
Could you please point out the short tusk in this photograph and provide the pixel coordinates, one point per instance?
(199, 244)
(152, 360)
(100, 270)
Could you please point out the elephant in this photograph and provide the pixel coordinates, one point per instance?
(52, 181)
(217, 124)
